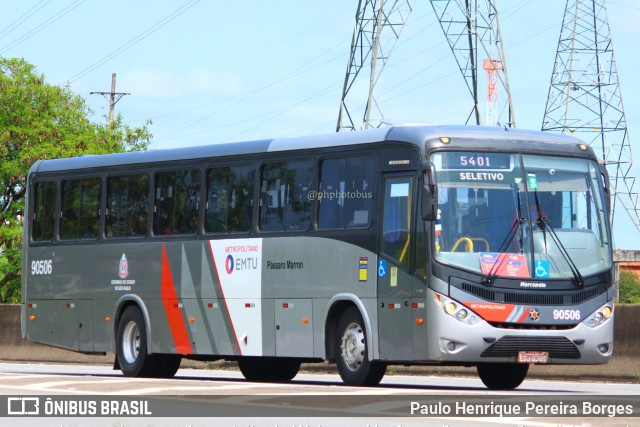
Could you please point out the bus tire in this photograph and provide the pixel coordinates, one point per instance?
(131, 345)
(502, 376)
(166, 365)
(352, 352)
(269, 369)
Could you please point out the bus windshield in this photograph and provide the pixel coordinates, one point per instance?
(521, 216)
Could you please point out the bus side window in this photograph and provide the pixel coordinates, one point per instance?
(80, 208)
(345, 194)
(177, 197)
(229, 199)
(396, 228)
(241, 197)
(284, 196)
(217, 207)
(128, 206)
(44, 211)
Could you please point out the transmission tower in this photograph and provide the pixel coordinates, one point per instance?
(378, 27)
(472, 28)
(584, 96)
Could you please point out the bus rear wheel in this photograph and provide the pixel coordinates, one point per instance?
(131, 344)
(502, 376)
(132, 353)
(269, 369)
(166, 365)
(352, 352)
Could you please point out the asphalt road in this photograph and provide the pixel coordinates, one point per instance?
(224, 398)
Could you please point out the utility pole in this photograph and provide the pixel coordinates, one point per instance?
(113, 98)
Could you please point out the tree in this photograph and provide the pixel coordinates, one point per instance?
(42, 121)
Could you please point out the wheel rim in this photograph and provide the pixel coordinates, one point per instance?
(353, 346)
(131, 342)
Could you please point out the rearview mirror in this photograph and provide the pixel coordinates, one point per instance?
(606, 184)
(429, 199)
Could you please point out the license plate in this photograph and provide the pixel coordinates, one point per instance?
(533, 357)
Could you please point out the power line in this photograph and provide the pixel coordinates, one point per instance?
(42, 26)
(22, 18)
(242, 97)
(251, 55)
(282, 110)
(544, 30)
(135, 40)
(623, 5)
(232, 40)
(325, 127)
(274, 113)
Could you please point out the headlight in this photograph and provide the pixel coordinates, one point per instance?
(456, 310)
(599, 316)
(462, 314)
(450, 307)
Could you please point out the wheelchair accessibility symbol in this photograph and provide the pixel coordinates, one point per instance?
(382, 268)
(542, 269)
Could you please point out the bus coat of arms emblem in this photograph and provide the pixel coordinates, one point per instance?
(123, 269)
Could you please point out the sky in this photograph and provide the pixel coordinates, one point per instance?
(208, 71)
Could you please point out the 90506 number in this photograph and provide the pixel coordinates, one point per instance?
(41, 267)
(566, 314)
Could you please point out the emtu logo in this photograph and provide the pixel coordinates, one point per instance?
(228, 265)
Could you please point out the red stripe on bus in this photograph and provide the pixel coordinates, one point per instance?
(174, 315)
(233, 329)
(524, 315)
(492, 312)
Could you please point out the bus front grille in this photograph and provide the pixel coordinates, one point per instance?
(530, 326)
(510, 346)
(531, 297)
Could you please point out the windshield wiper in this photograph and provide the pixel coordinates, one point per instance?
(515, 227)
(521, 219)
(517, 223)
(544, 225)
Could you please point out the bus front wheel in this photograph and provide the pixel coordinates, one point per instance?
(352, 352)
(502, 376)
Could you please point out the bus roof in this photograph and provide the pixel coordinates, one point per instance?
(413, 134)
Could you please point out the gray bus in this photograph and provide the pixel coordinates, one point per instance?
(443, 245)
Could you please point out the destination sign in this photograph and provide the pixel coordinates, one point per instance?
(476, 161)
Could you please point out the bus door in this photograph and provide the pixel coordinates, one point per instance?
(394, 280)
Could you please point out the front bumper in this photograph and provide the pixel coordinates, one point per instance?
(456, 341)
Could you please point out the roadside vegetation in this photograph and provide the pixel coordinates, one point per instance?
(629, 287)
(39, 120)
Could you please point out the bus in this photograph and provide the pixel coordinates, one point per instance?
(406, 245)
